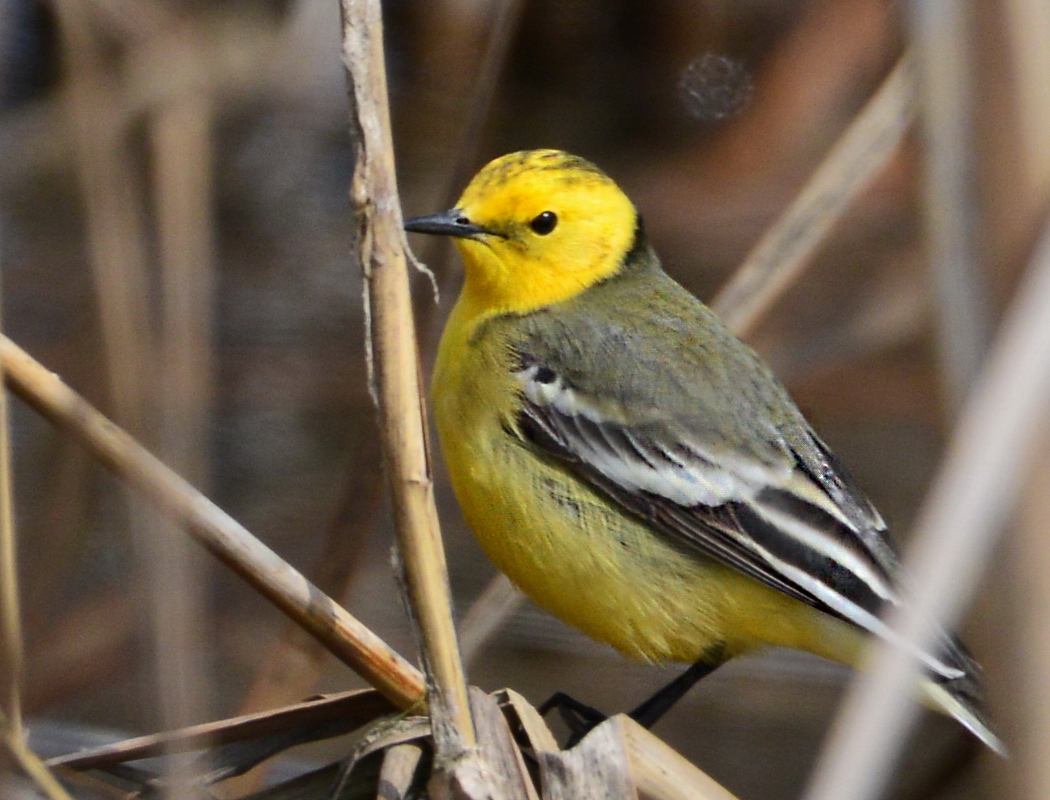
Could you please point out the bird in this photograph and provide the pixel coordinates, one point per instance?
(631, 465)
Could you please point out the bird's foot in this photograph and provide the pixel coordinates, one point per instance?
(578, 717)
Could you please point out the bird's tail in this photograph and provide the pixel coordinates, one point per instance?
(960, 697)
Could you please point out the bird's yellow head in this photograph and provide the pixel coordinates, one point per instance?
(534, 228)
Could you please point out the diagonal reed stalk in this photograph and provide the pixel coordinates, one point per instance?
(963, 514)
(345, 636)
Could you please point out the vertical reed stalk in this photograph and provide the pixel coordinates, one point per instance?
(395, 364)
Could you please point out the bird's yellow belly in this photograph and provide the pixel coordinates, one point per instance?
(609, 575)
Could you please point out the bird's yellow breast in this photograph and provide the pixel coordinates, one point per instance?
(574, 552)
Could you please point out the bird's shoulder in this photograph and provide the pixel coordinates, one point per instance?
(645, 349)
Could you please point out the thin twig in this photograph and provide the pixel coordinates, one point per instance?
(396, 381)
(487, 614)
(224, 537)
(964, 511)
(787, 247)
(468, 138)
(940, 35)
(11, 643)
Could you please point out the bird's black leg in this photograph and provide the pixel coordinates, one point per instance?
(581, 719)
(648, 713)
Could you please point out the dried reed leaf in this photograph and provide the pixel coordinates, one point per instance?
(533, 726)
(499, 750)
(355, 708)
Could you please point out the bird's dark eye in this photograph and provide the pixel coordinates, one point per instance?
(544, 223)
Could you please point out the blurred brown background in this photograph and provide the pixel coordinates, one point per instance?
(176, 244)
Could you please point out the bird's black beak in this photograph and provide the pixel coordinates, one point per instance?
(446, 223)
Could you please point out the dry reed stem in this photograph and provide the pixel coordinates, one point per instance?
(396, 376)
(228, 540)
(660, 772)
(941, 36)
(974, 491)
(112, 209)
(363, 704)
(180, 129)
(12, 653)
(1031, 561)
(1030, 53)
(786, 248)
(11, 643)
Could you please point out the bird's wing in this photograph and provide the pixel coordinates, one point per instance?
(793, 521)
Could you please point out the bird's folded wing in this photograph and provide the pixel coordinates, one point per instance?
(793, 521)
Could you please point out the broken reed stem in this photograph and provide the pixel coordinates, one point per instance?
(975, 490)
(787, 247)
(224, 537)
(395, 372)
